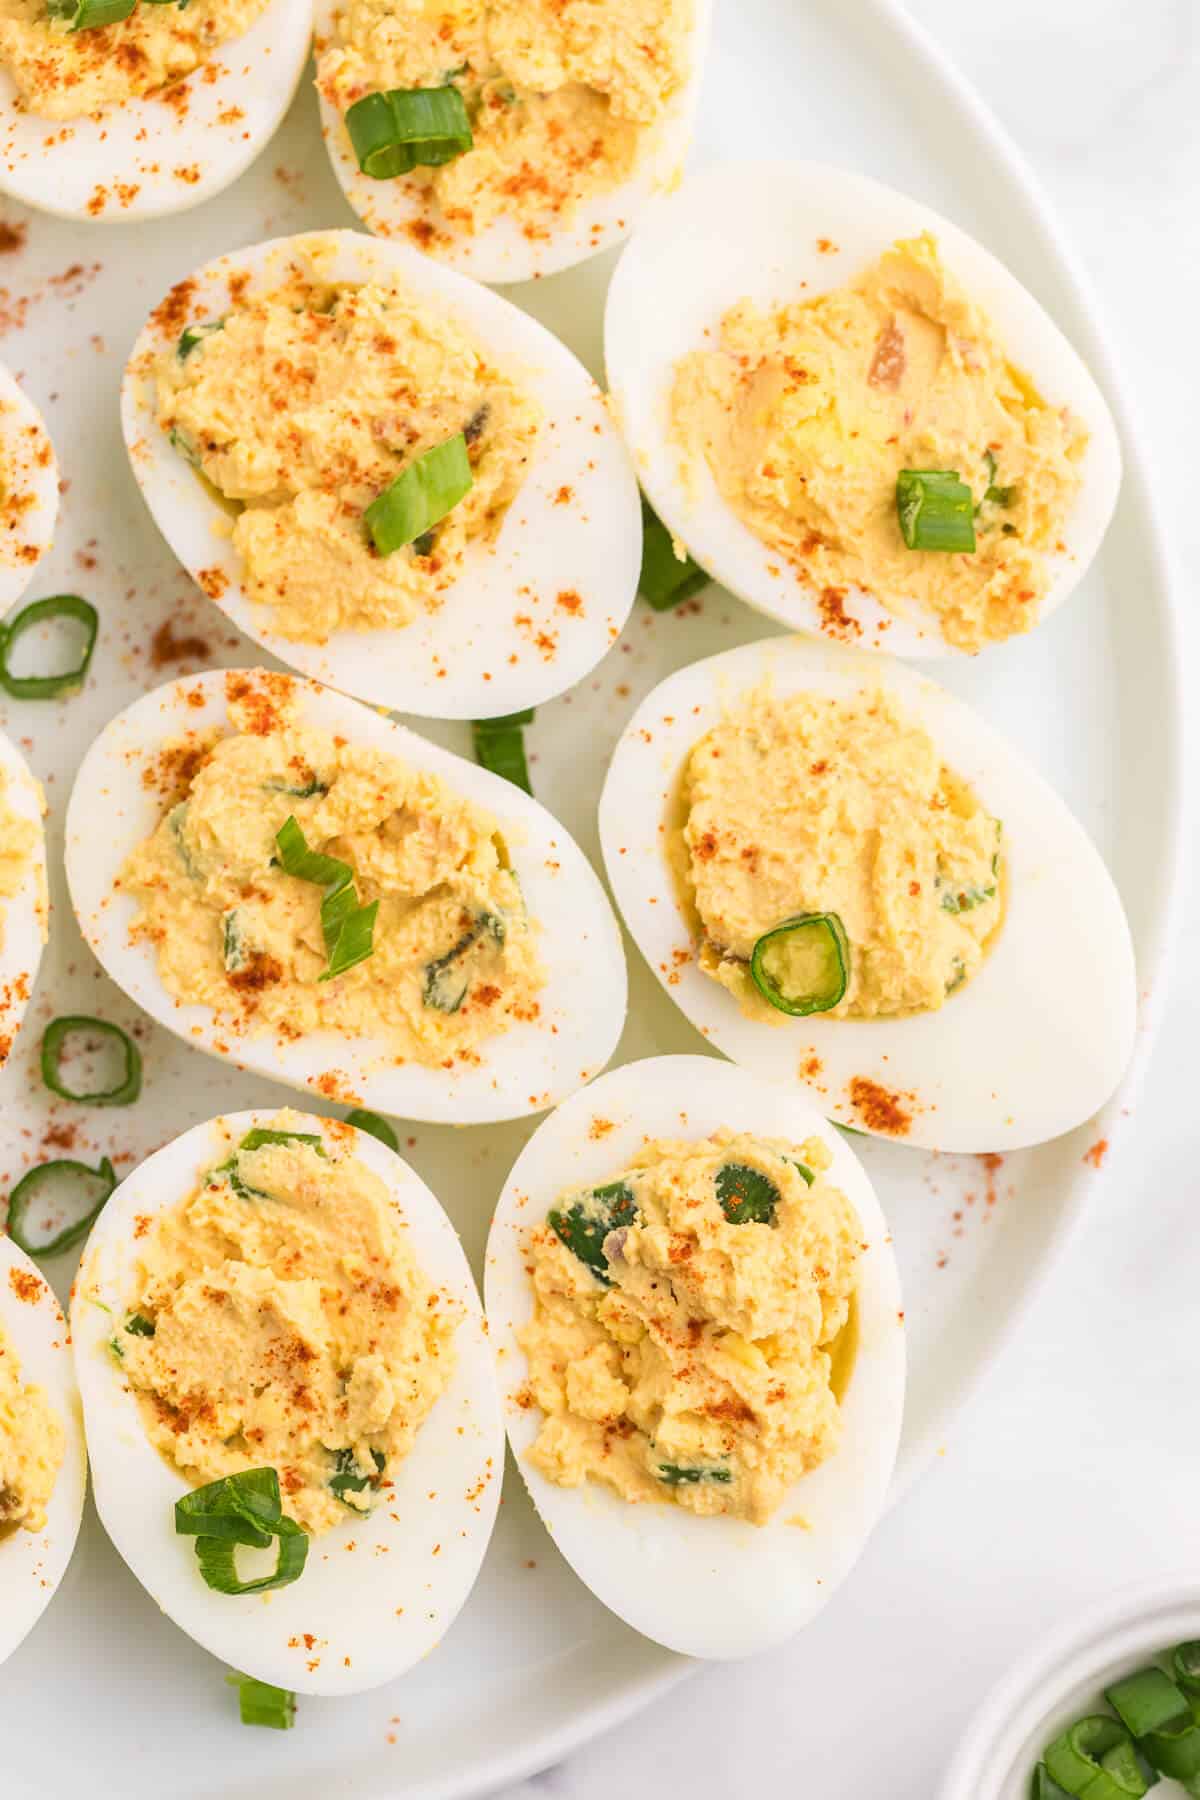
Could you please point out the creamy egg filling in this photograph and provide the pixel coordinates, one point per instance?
(809, 804)
(454, 961)
(305, 405)
(32, 1445)
(562, 95)
(279, 1319)
(18, 836)
(64, 74)
(806, 416)
(691, 1333)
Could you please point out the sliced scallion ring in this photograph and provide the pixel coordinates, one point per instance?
(90, 15)
(936, 510)
(500, 747)
(1185, 1664)
(243, 1508)
(1096, 1756)
(26, 1192)
(395, 130)
(261, 1136)
(1148, 1700)
(195, 334)
(38, 612)
(347, 927)
(665, 581)
(217, 1558)
(54, 1041)
(262, 1704)
(803, 965)
(374, 1126)
(420, 496)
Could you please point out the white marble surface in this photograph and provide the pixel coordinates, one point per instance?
(1076, 1468)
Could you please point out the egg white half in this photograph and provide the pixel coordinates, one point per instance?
(753, 230)
(1035, 1042)
(158, 155)
(378, 1592)
(30, 470)
(33, 1563)
(26, 914)
(500, 638)
(716, 1587)
(523, 1070)
(504, 253)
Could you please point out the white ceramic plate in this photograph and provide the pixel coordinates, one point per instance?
(533, 1665)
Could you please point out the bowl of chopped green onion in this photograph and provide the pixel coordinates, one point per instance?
(1107, 1709)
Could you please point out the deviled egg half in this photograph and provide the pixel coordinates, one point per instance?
(389, 477)
(696, 1315)
(507, 138)
(852, 415)
(290, 880)
(28, 489)
(276, 1333)
(850, 883)
(24, 907)
(129, 109)
(43, 1465)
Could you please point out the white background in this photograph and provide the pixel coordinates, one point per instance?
(1077, 1468)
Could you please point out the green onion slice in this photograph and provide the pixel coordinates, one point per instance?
(243, 1509)
(665, 581)
(420, 496)
(936, 510)
(500, 747)
(1096, 1757)
(262, 1704)
(58, 606)
(805, 1172)
(217, 1558)
(1185, 1666)
(1174, 1749)
(348, 928)
(747, 1196)
(374, 1126)
(394, 130)
(194, 335)
(89, 15)
(26, 1192)
(138, 1325)
(260, 1137)
(1147, 1700)
(1045, 1787)
(54, 1042)
(587, 1222)
(803, 965)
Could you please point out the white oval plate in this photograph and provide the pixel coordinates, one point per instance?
(25, 915)
(534, 1666)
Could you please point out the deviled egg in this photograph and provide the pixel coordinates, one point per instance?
(290, 880)
(274, 1318)
(510, 139)
(386, 475)
(128, 109)
(28, 489)
(852, 415)
(24, 907)
(849, 882)
(43, 1466)
(696, 1314)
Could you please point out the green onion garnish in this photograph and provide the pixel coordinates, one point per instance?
(936, 510)
(803, 965)
(1044, 1788)
(803, 1169)
(665, 581)
(26, 1191)
(394, 130)
(747, 1196)
(420, 496)
(262, 1136)
(54, 1041)
(262, 1704)
(348, 928)
(1146, 1701)
(1174, 1750)
(195, 334)
(138, 1325)
(689, 1475)
(89, 15)
(1096, 1756)
(217, 1558)
(58, 606)
(242, 1509)
(374, 1126)
(1186, 1667)
(500, 747)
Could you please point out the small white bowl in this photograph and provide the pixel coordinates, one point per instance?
(1065, 1680)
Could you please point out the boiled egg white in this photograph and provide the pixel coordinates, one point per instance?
(142, 158)
(24, 916)
(711, 1587)
(29, 484)
(1037, 1039)
(779, 232)
(376, 1593)
(33, 1563)
(504, 251)
(532, 612)
(523, 1070)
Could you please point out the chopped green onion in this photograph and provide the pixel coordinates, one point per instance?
(685, 1475)
(587, 1222)
(1045, 1787)
(803, 1168)
(217, 1558)
(260, 1137)
(803, 965)
(665, 581)
(446, 981)
(935, 509)
(347, 927)
(243, 1508)
(54, 1041)
(374, 1126)
(966, 899)
(500, 747)
(1185, 1665)
(138, 1325)
(1174, 1748)
(89, 15)
(262, 1704)
(1147, 1701)
(194, 336)
(1096, 1757)
(395, 130)
(747, 1196)
(58, 606)
(348, 1477)
(420, 496)
(26, 1190)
